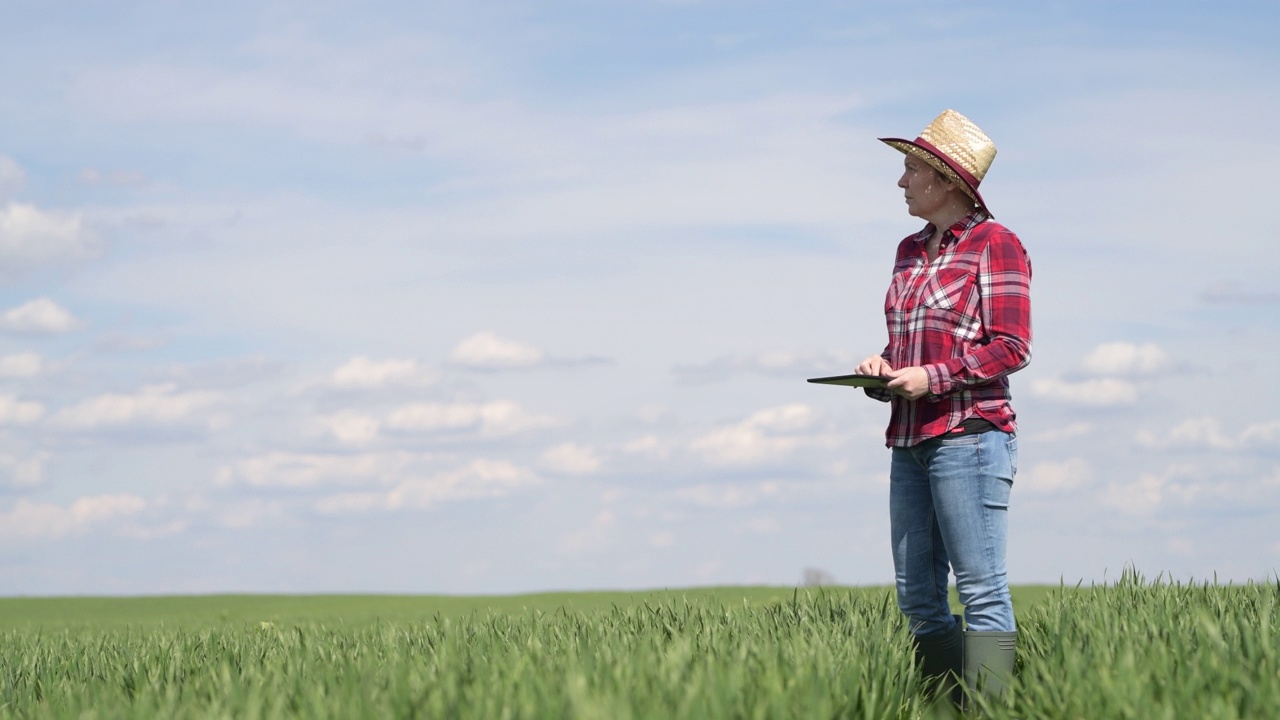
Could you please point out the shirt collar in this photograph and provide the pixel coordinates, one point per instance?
(964, 224)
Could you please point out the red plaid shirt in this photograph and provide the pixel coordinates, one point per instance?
(966, 319)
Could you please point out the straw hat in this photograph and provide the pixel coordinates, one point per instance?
(955, 147)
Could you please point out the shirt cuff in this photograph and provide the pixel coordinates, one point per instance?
(939, 380)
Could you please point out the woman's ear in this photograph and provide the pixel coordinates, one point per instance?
(950, 185)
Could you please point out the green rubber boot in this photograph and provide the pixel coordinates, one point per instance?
(941, 661)
(988, 662)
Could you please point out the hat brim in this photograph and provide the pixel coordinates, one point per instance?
(943, 164)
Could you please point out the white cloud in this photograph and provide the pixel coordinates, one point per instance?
(25, 472)
(304, 470)
(155, 405)
(487, 351)
(122, 178)
(726, 497)
(41, 315)
(571, 459)
(592, 539)
(1100, 392)
(19, 412)
(385, 480)
(351, 428)
(765, 436)
(354, 427)
(353, 502)
(1064, 432)
(1202, 431)
(763, 526)
(1053, 477)
(151, 532)
(1182, 486)
(1122, 358)
(1139, 497)
(250, 512)
(363, 373)
(645, 445)
(478, 479)
(1208, 432)
(21, 365)
(1261, 434)
(12, 177)
(653, 414)
(30, 236)
(494, 418)
(1231, 293)
(662, 539)
(28, 520)
(778, 362)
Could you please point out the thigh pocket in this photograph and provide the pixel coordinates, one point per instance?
(1002, 465)
(1012, 445)
(995, 493)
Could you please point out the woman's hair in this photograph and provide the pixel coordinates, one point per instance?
(943, 176)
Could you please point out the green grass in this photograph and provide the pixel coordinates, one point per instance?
(1134, 650)
(212, 611)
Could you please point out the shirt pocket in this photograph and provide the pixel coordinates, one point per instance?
(949, 301)
(948, 289)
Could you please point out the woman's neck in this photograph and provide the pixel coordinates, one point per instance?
(942, 222)
(948, 216)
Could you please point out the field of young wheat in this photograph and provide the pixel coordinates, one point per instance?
(1134, 649)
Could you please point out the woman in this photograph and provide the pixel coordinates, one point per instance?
(959, 317)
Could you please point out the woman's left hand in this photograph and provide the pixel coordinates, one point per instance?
(911, 383)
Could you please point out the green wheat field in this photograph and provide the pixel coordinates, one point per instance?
(1132, 649)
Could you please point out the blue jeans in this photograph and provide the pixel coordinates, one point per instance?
(949, 508)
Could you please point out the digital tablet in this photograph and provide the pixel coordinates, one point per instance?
(862, 381)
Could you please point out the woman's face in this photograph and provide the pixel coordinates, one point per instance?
(925, 189)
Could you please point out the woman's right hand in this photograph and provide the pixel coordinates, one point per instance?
(874, 365)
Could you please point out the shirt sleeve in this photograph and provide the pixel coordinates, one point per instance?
(1004, 287)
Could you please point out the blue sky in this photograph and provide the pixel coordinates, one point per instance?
(499, 297)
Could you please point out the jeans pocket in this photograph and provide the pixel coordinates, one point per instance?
(1012, 445)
